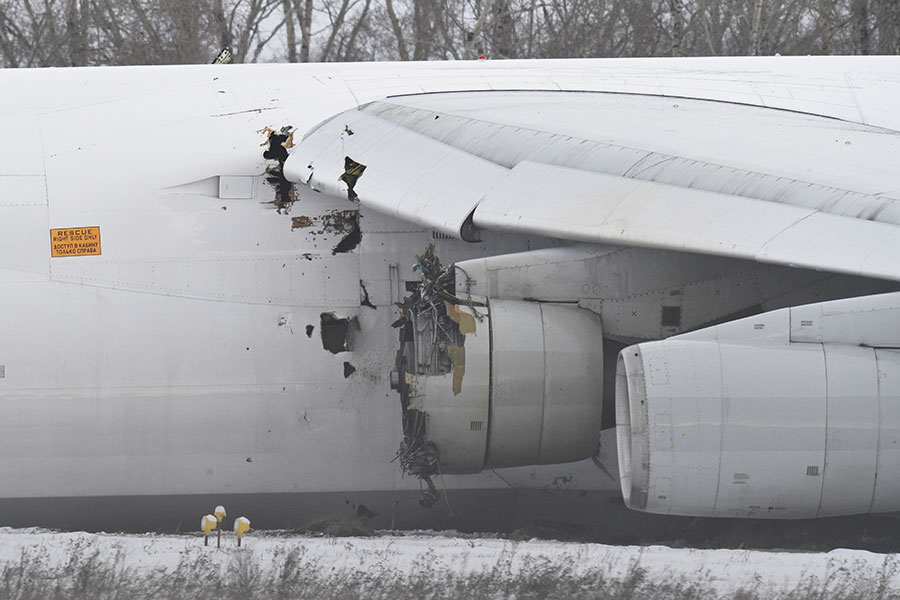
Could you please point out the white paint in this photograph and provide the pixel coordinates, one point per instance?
(235, 187)
(116, 361)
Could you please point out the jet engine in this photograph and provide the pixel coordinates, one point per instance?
(790, 414)
(503, 384)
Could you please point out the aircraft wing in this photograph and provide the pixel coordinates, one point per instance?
(708, 177)
(607, 208)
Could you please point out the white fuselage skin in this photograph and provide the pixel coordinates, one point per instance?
(177, 363)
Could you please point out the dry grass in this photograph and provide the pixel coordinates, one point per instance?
(293, 573)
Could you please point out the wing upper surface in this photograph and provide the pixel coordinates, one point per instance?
(820, 163)
(404, 174)
(598, 207)
(851, 88)
(720, 179)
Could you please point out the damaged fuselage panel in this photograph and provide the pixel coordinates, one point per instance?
(277, 145)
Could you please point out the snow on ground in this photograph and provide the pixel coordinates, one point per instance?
(719, 573)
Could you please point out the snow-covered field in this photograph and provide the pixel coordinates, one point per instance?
(44, 564)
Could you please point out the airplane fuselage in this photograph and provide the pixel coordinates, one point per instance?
(170, 304)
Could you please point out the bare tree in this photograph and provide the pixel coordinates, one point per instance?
(37, 33)
(861, 24)
(676, 12)
(503, 30)
(349, 49)
(289, 30)
(473, 35)
(755, 24)
(398, 32)
(336, 17)
(826, 25)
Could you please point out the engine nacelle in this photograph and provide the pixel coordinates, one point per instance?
(524, 387)
(758, 428)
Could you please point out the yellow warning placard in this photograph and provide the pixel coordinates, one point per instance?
(75, 241)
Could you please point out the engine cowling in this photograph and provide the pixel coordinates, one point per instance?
(524, 388)
(762, 428)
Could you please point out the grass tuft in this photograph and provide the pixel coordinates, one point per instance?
(291, 571)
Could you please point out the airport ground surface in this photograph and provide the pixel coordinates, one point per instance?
(345, 559)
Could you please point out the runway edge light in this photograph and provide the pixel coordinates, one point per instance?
(241, 526)
(207, 524)
(220, 515)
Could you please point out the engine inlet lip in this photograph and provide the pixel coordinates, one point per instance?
(623, 429)
(632, 442)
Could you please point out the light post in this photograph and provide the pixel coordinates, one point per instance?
(207, 524)
(241, 526)
(220, 514)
